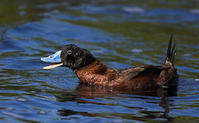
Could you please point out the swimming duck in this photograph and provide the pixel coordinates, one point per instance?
(91, 71)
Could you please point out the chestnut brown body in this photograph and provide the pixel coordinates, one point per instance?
(136, 78)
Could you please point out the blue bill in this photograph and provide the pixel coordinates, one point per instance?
(54, 58)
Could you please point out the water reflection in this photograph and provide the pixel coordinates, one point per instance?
(85, 94)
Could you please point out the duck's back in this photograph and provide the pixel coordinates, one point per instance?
(147, 77)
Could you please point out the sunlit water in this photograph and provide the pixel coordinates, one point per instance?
(120, 34)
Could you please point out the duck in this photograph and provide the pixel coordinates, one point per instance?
(92, 72)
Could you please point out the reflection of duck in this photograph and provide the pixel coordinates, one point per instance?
(93, 72)
(89, 94)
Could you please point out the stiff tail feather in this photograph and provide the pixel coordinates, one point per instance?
(171, 52)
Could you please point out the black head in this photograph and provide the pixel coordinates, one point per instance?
(75, 57)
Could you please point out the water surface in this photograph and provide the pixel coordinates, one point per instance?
(121, 34)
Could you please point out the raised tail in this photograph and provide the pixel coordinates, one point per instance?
(168, 78)
(171, 52)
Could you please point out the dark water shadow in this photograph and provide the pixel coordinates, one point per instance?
(84, 92)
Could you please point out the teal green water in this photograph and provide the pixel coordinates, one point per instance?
(120, 33)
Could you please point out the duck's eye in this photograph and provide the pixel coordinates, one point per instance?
(69, 52)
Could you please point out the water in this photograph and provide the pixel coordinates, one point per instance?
(120, 33)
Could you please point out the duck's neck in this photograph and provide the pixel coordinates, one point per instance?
(96, 73)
